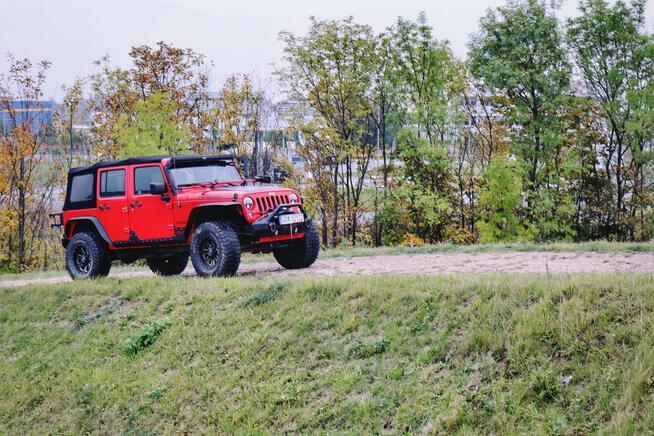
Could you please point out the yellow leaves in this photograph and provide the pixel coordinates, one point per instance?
(412, 240)
(238, 113)
(24, 141)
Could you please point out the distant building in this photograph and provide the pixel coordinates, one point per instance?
(37, 113)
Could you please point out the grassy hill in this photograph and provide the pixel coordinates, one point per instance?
(559, 354)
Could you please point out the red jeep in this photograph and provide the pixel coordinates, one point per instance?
(163, 208)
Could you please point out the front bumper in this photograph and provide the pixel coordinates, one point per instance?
(266, 231)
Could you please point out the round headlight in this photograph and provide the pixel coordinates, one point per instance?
(293, 198)
(248, 203)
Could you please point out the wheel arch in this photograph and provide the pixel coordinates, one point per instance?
(213, 212)
(82, 223)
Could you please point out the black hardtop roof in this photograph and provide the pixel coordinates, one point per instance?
(151, 159)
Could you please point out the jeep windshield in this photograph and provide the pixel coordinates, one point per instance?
(213, 174)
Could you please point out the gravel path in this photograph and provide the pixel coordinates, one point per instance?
(433, 264)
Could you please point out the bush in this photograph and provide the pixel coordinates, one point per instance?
(500, 201)
(362, 350)
(412, 240)
(265, 296)
(145, 337)
(457, 235)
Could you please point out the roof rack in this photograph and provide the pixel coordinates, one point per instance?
(151, 159)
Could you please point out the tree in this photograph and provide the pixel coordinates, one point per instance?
(519, 53)
(484, 136)
(616, 62)
(316, 151)
(238, 118)
(181, 74)
(330, 69)
(429, 82)
(27, 178)
(426, 177)
(70, 113)
(152, 129)
(429, 78)
(500, 201)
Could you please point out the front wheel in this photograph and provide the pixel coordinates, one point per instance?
(168, 265)
(215, 249)
(301, 254)
(87, 256)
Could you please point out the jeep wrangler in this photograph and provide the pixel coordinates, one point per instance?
(165, 208)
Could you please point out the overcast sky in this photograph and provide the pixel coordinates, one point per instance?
(237, 35)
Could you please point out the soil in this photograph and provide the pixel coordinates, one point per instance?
(433, 264)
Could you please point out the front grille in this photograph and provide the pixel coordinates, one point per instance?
(268, 202)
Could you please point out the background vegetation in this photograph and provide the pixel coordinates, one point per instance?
(543, 133)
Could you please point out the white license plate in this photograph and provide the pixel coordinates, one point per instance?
(291, 219)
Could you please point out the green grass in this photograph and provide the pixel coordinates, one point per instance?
(488, 353)
(247, 258)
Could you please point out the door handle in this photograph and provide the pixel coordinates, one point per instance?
(136, 204)
(104, 207)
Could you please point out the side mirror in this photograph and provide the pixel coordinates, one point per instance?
(263, 179)
(158, 188)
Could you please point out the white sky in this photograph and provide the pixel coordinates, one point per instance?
(238, 36)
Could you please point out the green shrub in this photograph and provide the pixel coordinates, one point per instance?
(265, 296)
(145, 337)
(362, 350)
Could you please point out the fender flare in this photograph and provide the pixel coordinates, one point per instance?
(197, 209)
(96, 222)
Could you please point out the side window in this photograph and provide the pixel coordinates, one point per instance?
(112, 183)
(143, 176)
(81, 188)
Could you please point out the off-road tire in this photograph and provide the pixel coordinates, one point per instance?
(87, 256)
(302, 253)
(168, 265)
(225, 258)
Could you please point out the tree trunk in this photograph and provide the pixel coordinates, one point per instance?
(21, 211)
(323, 214)
(335, 211)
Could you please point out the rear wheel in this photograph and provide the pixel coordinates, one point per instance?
(168, 265)
(215, 249)
(302, 253)
(87, 256)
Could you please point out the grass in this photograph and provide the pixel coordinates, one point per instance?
(247, 258)
(489, 353)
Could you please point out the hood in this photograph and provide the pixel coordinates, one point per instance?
(227, 193)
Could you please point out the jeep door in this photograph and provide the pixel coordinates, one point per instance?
(112, 203)
(150, 215)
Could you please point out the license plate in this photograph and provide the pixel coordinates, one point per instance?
(291, 219)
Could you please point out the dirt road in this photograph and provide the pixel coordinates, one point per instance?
(433, 264)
